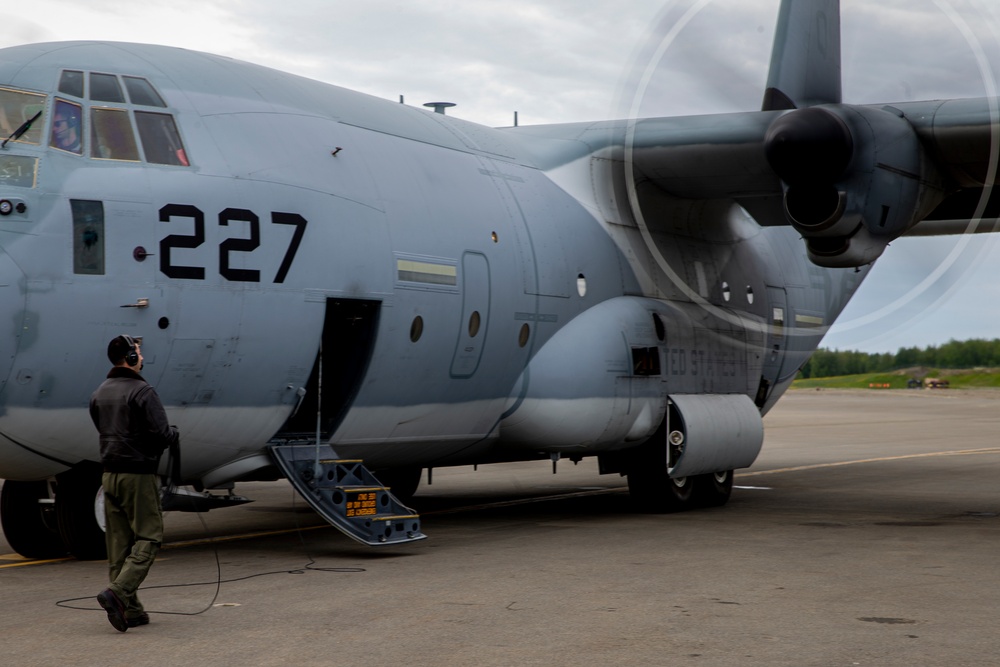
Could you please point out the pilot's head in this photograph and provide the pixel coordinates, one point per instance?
(125, 351)
(65, 130)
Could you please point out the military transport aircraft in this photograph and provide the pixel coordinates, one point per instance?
(329, 285)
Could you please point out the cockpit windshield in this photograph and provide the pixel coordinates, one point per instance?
(17, 108)
(119, 122)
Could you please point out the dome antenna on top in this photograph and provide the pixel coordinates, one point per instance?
(439, 107)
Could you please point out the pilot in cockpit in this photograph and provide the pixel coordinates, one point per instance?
(66, 128)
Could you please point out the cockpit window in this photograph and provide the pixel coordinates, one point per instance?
(111, 135)
(71, 83)
(17, 108)
(105, 88)
(111, 122)
(18, 170)
(142, 92)
(160, 141)
(66, 127)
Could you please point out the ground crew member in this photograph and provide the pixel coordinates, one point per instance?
(134, 432)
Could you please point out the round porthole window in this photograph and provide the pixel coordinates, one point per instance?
(522, 337)
(581, 285)
(474, 322)
(661, 331)
(416, 328)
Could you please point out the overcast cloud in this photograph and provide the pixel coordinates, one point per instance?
(573, 60)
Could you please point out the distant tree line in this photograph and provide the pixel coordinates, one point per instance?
(953, 354)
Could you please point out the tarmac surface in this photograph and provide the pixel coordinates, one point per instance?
(867, 533)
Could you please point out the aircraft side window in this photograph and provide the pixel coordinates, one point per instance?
(416, 328)
(141, 92)
(67, 127)
(646, 361)
(160, 141)
(18, 171)
(111, 135)
(523, 335)
(71, 83)
(105, 88)
(88, 236)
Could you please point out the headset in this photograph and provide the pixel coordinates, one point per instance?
(132, 356)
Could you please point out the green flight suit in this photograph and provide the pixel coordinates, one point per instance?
(134, 532)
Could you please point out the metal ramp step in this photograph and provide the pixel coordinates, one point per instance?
(347, 495)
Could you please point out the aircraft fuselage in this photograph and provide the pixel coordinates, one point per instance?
(477, 294)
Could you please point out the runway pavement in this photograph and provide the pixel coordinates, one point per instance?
(867, 533)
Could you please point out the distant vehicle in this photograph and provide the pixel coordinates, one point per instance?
(935, 383)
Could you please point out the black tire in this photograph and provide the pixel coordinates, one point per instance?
(76, 514)
(652, 490)
(713, 489)
(650, 486)
(402, 482)
(24, 520)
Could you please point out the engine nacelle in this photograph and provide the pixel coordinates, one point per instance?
(852, 178)
(582, 391)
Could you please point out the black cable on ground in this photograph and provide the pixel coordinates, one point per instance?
(65, 604)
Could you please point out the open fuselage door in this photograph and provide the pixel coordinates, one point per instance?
(349, 330)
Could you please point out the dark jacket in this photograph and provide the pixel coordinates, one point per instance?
(132, 422)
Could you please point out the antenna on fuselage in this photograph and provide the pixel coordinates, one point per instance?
(439, 107)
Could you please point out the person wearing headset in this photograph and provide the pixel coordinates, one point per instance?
(66, 128)
(134, 433)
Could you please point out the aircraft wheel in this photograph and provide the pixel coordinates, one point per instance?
(402, 482)
(713, 489)
(24, 520)
(652, 490)
(80, 512)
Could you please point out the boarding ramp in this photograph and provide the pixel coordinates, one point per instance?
(347, 495)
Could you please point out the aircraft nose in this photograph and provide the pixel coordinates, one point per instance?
(12, 302)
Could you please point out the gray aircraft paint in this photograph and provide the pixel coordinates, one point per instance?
(422, 215)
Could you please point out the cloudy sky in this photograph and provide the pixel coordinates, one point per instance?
(573, 60)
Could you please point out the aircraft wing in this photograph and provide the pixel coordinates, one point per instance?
(726, 156)
(849, 178)
(704, 157)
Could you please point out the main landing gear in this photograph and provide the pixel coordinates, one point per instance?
(653, 489)
(41, 524)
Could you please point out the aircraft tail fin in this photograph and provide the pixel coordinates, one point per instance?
(805, 59)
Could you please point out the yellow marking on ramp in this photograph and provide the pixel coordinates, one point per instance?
(20, 561)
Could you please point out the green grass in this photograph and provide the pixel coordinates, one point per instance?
(958, 379)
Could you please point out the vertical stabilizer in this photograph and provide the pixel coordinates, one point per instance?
(805, 60)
